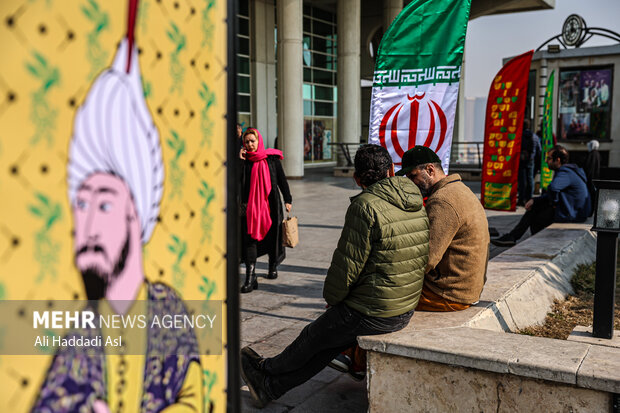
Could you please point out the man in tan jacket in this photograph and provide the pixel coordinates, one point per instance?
(459, 234)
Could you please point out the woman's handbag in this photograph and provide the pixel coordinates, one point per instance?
(290, 236)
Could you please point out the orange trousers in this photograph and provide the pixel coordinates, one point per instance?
(429, 301)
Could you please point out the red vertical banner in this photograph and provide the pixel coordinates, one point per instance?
(502, 134)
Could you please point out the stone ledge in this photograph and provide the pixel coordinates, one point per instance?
(585, 365)
(584, 335)
(522, 284)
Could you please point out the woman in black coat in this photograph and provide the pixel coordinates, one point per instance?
(262, 221)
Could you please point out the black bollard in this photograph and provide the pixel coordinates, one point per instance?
(605, 284)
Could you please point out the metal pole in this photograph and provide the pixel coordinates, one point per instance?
(605, 284)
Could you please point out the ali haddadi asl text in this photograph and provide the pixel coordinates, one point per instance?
(44, 341)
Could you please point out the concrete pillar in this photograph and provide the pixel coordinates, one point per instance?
(263, 69)
(391, 9)
(349, 88)
(290, 81)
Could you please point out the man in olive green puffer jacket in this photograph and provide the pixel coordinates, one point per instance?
(372, 286)
(378, 267)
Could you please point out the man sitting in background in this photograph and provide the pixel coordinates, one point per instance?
(459, 235)
(566, 200)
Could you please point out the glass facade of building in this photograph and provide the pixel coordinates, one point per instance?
(319, 79)
(243, 65)
(319, 88)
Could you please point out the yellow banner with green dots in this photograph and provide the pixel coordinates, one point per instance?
(113, 184)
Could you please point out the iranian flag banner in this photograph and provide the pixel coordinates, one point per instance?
(546, 174)
(416, 78)
(502, 134)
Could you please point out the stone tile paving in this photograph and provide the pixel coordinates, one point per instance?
(273, 315)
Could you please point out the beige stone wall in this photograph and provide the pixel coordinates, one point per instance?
(398, 384)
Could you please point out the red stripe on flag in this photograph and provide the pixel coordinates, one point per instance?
(384, 122)
(431, 130)
(443, 123)
(413, 122)
(395, 141)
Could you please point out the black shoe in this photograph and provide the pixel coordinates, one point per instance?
(341, 362)
(251, 283)
(273, 272)
(254, 357)
(357, 375)
(254, 378)
(505, 240)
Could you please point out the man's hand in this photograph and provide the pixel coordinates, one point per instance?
(288, 207)
(529, 204)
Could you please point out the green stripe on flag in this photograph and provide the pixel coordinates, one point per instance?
(424, 44)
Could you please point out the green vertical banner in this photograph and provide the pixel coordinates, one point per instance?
(546, 174)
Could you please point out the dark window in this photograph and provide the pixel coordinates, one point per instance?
(243, 64)
(323, 109)
(323, 15)
(323, 93)
(243, 84)
(244, 103)
(243, 8)
(244, 26)
(322, 76)
(244, 46)
(323, 29)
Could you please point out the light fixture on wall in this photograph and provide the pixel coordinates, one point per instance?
(607, 227)
(553, 48)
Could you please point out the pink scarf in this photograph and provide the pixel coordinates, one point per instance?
(258, 217)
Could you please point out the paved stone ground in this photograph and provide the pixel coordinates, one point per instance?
(273, 315)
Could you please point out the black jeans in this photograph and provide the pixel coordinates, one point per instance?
(525, 187)
(536, 219)
(319, 342)
(251, 253)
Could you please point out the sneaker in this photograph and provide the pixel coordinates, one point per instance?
(254, 377)
(341, 362)
(357, 375)
(344, 364)
(505, 240)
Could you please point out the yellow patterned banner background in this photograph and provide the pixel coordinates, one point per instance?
(52, 52)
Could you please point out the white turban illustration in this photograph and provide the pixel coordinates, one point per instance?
(114, 133)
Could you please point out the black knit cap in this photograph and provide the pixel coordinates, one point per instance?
(418, 155)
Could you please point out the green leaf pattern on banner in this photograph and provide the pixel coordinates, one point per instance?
(95, 53)
(177, 71)
(206, 219)
(207, 24)
(177, 174)
(206, 123)
(207, 287)
(178, 248)
(209, 378)
(42, 114)
(46, 248)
